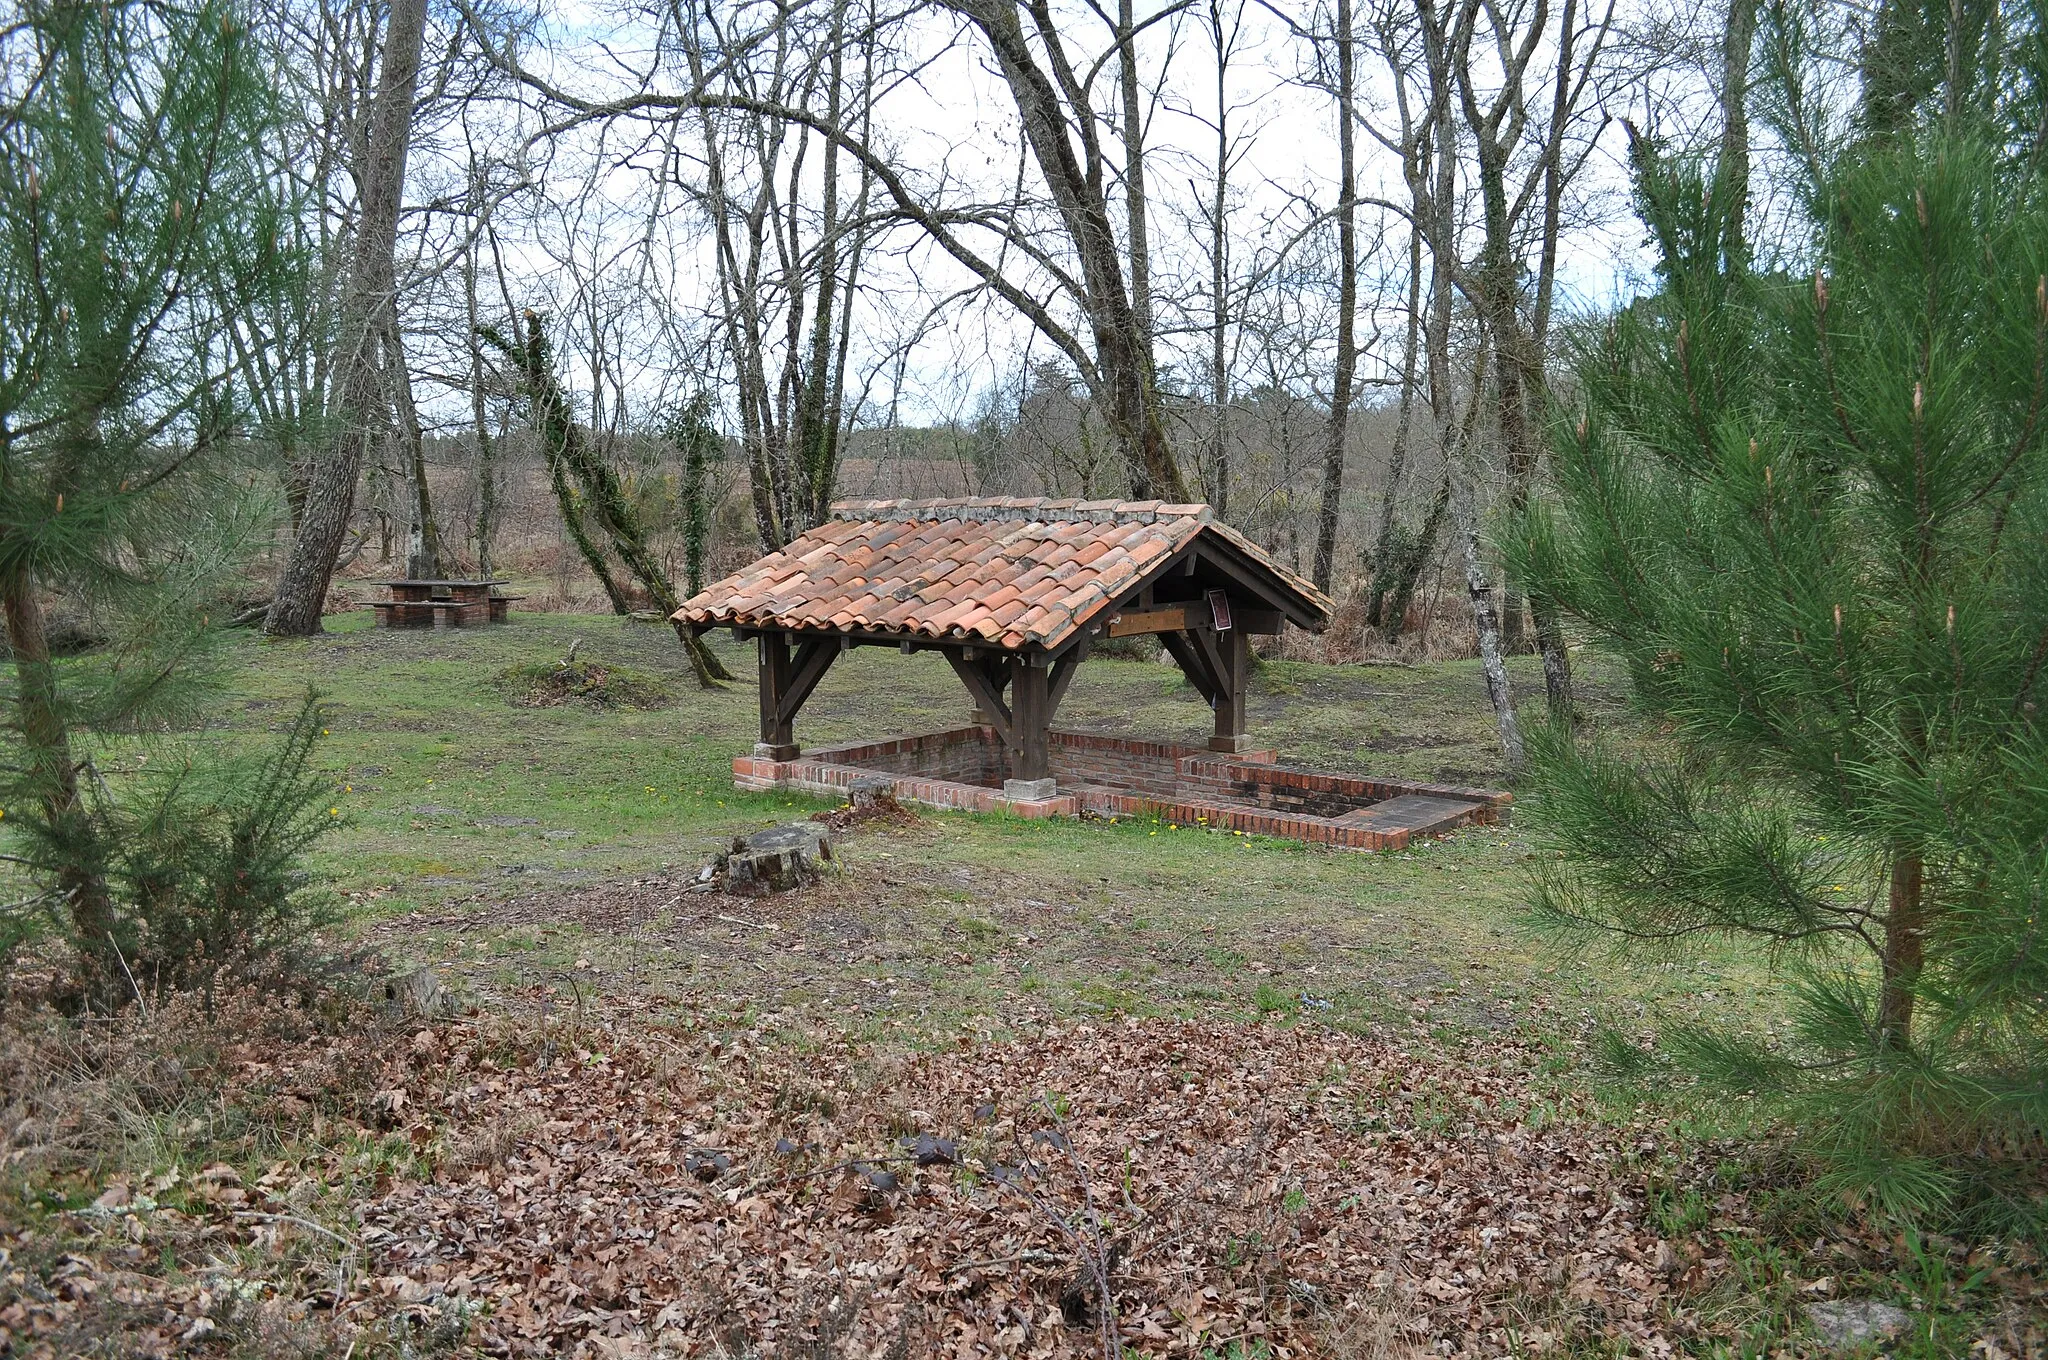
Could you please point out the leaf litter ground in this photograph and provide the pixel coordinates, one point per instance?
(609, 1182)
(1186, 1183)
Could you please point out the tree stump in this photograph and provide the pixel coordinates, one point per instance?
(417, 995)
(778, 859)
(869, 792)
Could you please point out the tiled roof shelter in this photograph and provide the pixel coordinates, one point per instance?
(1014, 592)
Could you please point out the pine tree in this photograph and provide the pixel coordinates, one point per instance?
(131, 228)
(1811, 515)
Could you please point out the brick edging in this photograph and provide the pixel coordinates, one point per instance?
(833, 770)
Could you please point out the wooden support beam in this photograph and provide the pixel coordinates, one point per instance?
(787, 680)
(1166, 619)
(1031, 697)
(1036, 684)
(985, 682)
(1231, 654)
(1062, 675)
(1264, 622)
(1215, 653)
(778, 741)
(1193, 664)
(1190, 615)
(812, 660)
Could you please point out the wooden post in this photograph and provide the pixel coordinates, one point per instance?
(1233, 649)
(787, 679)
(778, 727)
(1030, 716)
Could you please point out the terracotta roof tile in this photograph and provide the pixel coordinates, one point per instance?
(1019, 571)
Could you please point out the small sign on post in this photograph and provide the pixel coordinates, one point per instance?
(1219, 610)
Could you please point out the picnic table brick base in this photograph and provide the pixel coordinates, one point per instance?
(442, 604)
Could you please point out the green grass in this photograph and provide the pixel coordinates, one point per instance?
(494, 839)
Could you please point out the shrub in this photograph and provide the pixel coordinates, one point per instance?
(204, 867)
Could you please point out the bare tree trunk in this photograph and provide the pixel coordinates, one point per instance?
(1397, 456)
(1550, 639)
(372, 287)
(1433, 186)
(1519, 370)
(1500, 312)
(423, 535)
(592, 499)
(818, 423)
(330, 494)
(1347, 306)
(1138, 237)
(1218, 488)
(1495, 130)
(850, 291)
(47, 748)
(1403, 570)
(1900, 958)
(1486, 623)
(1124, 379)
(486, 454)
(1731, 165)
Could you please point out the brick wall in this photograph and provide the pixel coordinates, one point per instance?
(1122, 777)
(962, 755)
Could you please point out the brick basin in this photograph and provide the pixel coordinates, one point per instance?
(1100, 776)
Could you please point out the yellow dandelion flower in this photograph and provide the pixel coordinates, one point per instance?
(334, 812)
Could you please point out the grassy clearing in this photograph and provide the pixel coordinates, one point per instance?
(535, 859)
(502, 841)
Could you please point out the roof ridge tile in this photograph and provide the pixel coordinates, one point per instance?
(1027, 509)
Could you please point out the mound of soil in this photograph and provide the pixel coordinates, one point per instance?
(593, 683)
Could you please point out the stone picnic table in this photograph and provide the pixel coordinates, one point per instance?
(442, 603)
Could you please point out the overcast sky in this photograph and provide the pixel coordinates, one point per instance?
(947, 118)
